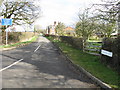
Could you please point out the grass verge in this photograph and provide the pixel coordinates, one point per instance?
(91, 63)
(19, 43)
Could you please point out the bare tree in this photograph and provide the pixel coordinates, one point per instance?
(118, 18)
(60, 28)
(86, 25)
(107, 16)
(21, 12)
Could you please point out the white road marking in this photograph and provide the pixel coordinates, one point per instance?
(11, 65)
(17, 61)
(37, 48)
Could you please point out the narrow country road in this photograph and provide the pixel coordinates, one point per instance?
(39, 65)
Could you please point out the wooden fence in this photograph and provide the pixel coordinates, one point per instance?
(93, 47)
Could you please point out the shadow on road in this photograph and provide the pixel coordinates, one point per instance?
(48, 63)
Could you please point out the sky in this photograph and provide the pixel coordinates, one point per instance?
(65, 11)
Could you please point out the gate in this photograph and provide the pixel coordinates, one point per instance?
(93, 48)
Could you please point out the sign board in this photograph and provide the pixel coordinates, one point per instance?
(6, 21)
(107, 53)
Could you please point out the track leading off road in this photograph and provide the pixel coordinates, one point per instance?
(39, 65)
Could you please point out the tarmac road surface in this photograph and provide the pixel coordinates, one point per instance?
(39, 65)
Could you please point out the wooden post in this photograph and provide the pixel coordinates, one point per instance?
(6, 38)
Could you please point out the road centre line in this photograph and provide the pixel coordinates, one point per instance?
(11, 65)
(37, 48)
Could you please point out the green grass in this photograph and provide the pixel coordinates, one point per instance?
(91, 63)
(19, 43)
(94, 40)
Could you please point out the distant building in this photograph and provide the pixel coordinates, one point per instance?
(51, 29)
(69, 31)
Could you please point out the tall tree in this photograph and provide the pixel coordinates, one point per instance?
(107, 15)
(106, 29)
(21, 11)
(118, 18)
(60, 28)
(86, 26)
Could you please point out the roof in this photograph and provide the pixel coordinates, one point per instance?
(69, 28)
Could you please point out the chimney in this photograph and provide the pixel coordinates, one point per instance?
(54, 23)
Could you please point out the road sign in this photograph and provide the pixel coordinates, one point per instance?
(6, 21)
(107, 53)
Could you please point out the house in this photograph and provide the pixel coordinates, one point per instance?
(51, 29)
(69, 31)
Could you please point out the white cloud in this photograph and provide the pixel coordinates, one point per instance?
(62, 10)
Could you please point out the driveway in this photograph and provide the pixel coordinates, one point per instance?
(39, 65)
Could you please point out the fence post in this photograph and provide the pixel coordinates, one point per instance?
(6, 37)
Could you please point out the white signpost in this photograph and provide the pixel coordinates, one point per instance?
(107, 53)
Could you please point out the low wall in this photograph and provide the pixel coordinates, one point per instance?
(112, 45)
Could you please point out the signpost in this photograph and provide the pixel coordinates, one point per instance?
(6, 22)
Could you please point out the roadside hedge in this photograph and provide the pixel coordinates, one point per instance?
(112, 45)
(74, 41)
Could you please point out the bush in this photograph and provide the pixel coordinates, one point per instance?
(14, 36)
(111, 45)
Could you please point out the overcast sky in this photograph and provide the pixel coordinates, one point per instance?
(62, 10)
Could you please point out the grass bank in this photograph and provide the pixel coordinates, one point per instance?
(91, 63)
(20, 43)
